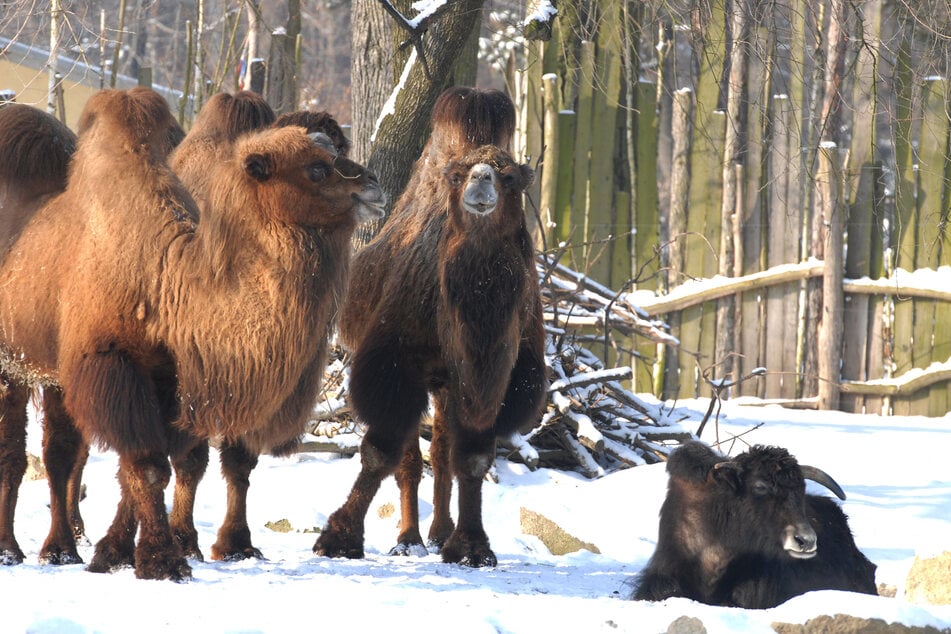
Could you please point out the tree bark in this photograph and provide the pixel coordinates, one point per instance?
(733, 156)
(392, 102)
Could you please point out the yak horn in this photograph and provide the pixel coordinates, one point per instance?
(823, 478)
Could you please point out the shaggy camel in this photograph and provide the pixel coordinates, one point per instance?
(222, 120)
(195, 331)
(445, 301)
(31, 172)
(463, 119)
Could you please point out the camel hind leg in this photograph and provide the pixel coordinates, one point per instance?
(64, 454)
(189, 466)
(440, 455)
(157, 554)
(130, 408)
(13, 400)
(408, 476)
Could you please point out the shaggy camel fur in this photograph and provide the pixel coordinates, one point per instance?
(33, 170)
(222, 120)
(445, 301)
(193, 332)
(463, 119)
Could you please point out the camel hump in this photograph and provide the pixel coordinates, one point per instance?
(35, 149)
(135, 117)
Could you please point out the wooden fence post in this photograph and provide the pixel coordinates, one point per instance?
(549, 177)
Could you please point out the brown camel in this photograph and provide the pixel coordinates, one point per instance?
(31, 172)
(163, 333)
(222, 120)
(444, 302)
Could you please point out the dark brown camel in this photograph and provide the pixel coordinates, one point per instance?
(168, 333)
(444, 301)
(31, 172)
(222, 120)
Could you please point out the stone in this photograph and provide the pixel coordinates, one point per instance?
(555, 538)
(929, 580)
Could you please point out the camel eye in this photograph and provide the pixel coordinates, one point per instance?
(318, 171)
(510, 179)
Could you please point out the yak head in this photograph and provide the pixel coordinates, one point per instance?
(761, 495)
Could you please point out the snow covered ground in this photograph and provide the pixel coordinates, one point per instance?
(894, 470)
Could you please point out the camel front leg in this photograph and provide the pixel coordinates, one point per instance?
(234, 536)
(472, 456)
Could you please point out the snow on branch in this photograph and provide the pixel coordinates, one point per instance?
(427, 12)
(538, 20)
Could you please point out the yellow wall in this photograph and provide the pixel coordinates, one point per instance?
(30, 87)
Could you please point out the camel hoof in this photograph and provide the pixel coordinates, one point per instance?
(409, 550)
(11, 556)
(330, 545)
(59, 557)
(109, 557)
(470, 552)
(175, 570)
(250, 552)
(188, 542)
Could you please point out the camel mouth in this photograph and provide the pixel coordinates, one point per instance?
(370, 205)
(480, 208)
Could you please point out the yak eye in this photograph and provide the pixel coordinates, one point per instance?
(759, 488)
(318, 171)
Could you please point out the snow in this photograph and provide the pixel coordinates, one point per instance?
(542, 11)
(389, 107)
(894, 470)
(425, 8)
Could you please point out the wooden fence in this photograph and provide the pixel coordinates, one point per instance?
(741, 139)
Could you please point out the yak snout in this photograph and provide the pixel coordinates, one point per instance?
(800, 541)
(480, 196)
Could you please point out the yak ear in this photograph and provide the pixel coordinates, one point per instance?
(727, 473)
(258, 166)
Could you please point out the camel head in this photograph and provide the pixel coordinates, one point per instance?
(324, 189)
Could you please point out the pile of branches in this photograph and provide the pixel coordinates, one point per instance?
(592, 424)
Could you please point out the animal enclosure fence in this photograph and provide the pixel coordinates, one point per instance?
(794, 154)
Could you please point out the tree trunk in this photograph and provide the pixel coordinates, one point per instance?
(733, 156)
(254, 32)
(392, 102)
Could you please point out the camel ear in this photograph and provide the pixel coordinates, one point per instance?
(258, 166)
(528, 175)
